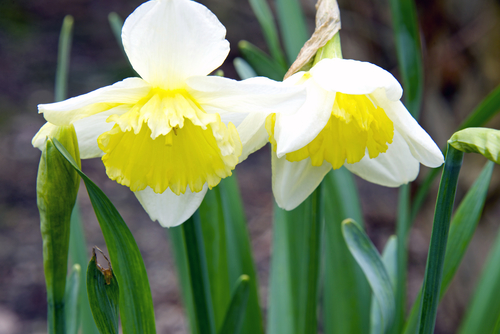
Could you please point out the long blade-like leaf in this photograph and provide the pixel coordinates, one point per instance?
(435, 259)
(239, 250)
(136, 304)
(462, 229)
(198, 274)
(371, 263)
(346, 296)
(484, 311)
(390, 261)
(266, 21)
(61, 87)
(293, 27)
(404, 18)
(71, 305)
(260, 62)
(78, 254)
(488, 108)
(235, 314)
(288, 268)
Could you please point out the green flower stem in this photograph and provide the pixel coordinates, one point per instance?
(313, 260)
(199, 274)
(439, 238)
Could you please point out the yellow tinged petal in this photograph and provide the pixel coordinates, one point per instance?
(355, 126)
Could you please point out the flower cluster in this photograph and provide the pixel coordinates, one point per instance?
(176, 131)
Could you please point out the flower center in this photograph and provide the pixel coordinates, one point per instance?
(166, 140)
(355, 126)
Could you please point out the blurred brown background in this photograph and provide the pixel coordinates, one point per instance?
(462, 65)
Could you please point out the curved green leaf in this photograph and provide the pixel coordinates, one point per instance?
(488, 107)
(136, 304)
(235, 315)
(260, 62)
(104, 293)
(390, 261)
(370, 261)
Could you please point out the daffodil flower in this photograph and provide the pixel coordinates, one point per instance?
(353, 117)
(175, 132)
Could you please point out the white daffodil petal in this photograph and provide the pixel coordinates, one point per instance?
(293, 182)
(293, 132)
(223, 95)
(169, 209)
(355, 77)
(423, 148)
(168, 41)
(253, 134)
(128, 91)
(391, 169)
(89, 128)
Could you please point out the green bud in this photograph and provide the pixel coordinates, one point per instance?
(57, 187)
(478, 140)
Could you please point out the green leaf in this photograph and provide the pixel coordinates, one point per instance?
(243, 69)
(402, 230)
(478, 140)
(235, 314)
(266, 21)
(293, 27)
(346, 296)
(488, 108)
(116, 23)
(370, 262)
(260, 62)
(198, 274)
(435, 259)
(215, 251)
(104, 293)
(57, 187)
(289, 268)
(78, 254)
(71, 308)
(136, 304)
(462, 229)
(404, 18)
(178, 244)
(228, 253)
(390, 261)
(61, 87)
(239, 250)
(484, 310)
